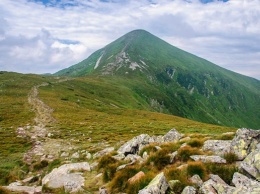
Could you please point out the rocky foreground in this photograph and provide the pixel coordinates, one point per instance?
(245, 146)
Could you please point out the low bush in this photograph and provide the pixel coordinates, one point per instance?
(224, 171)
(159, 159)
(196, 142)
(230, 157)
(197, 168)
(185, 152)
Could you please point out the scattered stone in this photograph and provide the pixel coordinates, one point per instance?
(134, 145)
(185, 139)
(247, 184)
(103, 152)
(206, 159)
(189, 190)
(157, 148)
(24, 189)
(93, 165)
(64, 154)
(173, 156)
(158, 185)
(195, 179)
(123, 166)
(244, 142)
(133, 158)
(136, 177)
(21, 132)
(183, 145)
(88, 156)
(172, 136)
(17, 183)
(212, 185)
(103, 190)
(119, 156)
(145, 155)
(75, 155)
(218, 147)
(65, 177)
(251, 164)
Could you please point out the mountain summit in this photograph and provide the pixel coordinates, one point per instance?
(173, 81)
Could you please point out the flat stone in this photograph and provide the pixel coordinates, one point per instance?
(211, 159)
(218, 147)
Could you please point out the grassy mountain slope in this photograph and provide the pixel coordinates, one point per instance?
(91, 113)
(175, 82)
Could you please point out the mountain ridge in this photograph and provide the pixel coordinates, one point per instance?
(178, 82)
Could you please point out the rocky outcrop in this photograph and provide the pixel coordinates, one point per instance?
(172, 136)
(251, 164)
(242, 182)
(134, 145)
(244, 142)
(218, 147)
(207, 159)
(66, 177)
(158, 185)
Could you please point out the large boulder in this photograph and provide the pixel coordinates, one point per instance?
(207, 159)
(134, 145)
(66, 177)
(244, 142)
(212, 185)
(218, 147)
(243, 182)
(158, 185)
(172, 136)
(251, 164)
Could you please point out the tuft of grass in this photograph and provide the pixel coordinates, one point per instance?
(185, 152)
(197, 168)
(54, 164)
(159, 159)
(40, 165)
(196, 142)
(4, 190)
(224, 171)
(149, 149)
(108, 165)
(230, 157)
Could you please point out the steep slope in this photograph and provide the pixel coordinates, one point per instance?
(174, 81)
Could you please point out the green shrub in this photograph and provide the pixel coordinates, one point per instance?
(105, 161)
(224, 171)
(195, 142)
(196, 168)
(230, 157)
(185, 152)
(159, 159)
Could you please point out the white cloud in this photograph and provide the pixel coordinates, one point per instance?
(224, 33)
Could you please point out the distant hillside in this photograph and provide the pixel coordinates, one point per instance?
(173, 81)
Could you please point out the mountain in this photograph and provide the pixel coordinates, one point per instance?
(173, 81)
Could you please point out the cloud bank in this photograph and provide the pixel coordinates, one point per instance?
(40, 36)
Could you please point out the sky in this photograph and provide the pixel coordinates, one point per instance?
(44, 36)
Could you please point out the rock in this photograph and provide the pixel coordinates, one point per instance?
(247, 184)
(218, 147)
(24, 189)
(103, 152)
(172, 136)
(88, 156)
(136, 177)
(123, 166)
(183, 145)
(185, 139)
(65, 177)
(173, 156)
(93, 165)
(134, 145)
(195, 179)
(251, 164)
(31, 179)
(244, 142)
(64, 154)
(211, 159)
(189, 190)
(75, 155)
(158, 185)
(133, 158)
(157, 148)
(119, 156)
(145, 155)
(21, 132)
(103, 190)
(208, 187)
(225, 189)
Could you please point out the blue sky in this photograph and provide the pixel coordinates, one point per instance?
(39, 36)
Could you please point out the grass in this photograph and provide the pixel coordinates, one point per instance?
(91, 113)
(197, 168)
(230, 157)
(185, 152)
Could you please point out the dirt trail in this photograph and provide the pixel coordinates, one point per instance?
(43, 146)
